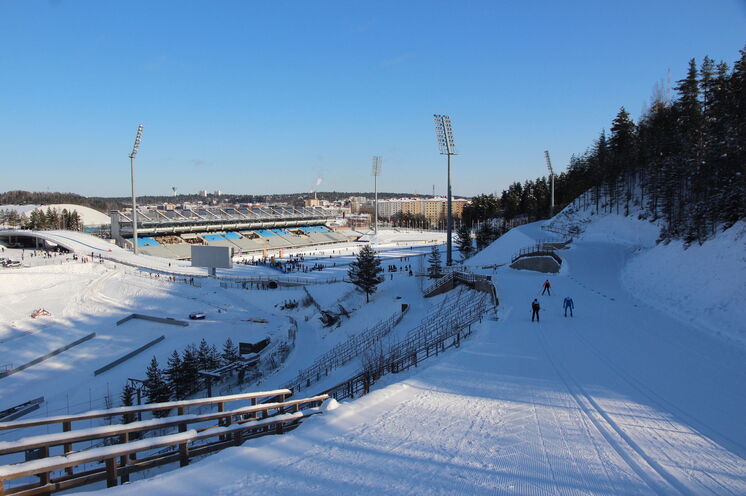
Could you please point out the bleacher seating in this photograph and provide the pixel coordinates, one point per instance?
(179, 246)
(142, 242)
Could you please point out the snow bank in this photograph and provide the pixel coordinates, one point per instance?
(503, 249)
(621, 230)
(704, 284)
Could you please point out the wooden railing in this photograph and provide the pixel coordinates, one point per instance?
(118, 457)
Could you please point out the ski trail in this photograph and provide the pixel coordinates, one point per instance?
(660, 481)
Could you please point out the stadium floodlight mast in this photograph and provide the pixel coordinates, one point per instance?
(551, 177)
(375, 172)
(444, 132)
(135, 147)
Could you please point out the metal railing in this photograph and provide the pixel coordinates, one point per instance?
(541, 249)
(344, 352)
(443, 330)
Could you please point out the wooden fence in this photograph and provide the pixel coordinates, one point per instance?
(123, 443)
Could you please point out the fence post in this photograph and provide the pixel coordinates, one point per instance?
(123, 439)
(253, 403)
(67, 447)
(111, 473)
(183, 447)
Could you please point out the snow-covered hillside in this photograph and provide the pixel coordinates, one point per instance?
(89, 216)
(625, 397)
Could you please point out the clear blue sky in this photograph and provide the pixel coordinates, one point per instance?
(264, 97)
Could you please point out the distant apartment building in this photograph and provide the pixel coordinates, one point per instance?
(355, 221)
(357, 203)
(433, 209)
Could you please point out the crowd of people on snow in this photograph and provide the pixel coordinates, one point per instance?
(567, 304)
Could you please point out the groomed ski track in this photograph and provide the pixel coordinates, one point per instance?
(621, 399)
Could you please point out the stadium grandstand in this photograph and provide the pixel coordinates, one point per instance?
(170, 233)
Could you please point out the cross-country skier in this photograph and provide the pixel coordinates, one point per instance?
(535, 310)
(568, 304)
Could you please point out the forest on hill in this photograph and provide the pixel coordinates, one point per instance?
(684, 160)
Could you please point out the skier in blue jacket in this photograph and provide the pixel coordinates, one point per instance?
(568, 304)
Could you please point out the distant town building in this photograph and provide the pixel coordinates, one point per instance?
(433, 209)
(358, 221)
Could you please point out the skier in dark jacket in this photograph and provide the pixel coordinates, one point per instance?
(535, 310)
(547, 288)
(568, 304)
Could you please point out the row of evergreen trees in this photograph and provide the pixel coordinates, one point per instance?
(682, 163)
(180, 378)
(40, 219)
(487, 232)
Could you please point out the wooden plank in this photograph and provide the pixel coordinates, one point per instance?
(8, 472)
(89, 434)
(95, 454)
(142, 408)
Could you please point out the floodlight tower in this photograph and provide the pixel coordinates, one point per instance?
(135, 147)
(551, 177)
(375, 172)
(444, 132)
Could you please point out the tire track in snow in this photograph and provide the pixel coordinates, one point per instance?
(659, 481)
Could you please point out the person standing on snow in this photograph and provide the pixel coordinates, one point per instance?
(535, 310)
(547, 288)
(568, 304)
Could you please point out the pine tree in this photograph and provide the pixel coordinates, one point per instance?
(434, 270)
(156, 387)
(230, 352)
(190, 369)
(486, 234)
(128, 399)
(464, 241)
(207, 356)
(174, 375)
(365, 271)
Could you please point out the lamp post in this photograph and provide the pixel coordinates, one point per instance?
(444, 132)
(135, 147)
(375, 172)
(551, 177)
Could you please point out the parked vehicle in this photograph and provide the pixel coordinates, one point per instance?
(11, 263)
(197, 316)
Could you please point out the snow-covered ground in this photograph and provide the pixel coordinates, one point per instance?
(629, 396)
